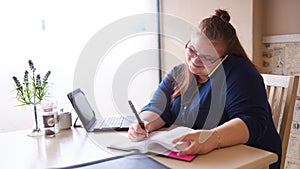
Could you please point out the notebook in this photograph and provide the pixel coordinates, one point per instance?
(127, 161)
(88, 118)
(159, 142)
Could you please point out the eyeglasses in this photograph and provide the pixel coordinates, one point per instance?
(208, 58)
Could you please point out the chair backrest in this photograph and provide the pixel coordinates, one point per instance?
(282, 93)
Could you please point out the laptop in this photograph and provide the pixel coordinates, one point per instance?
(88, 119)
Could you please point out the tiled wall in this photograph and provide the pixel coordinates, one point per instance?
(281, 55)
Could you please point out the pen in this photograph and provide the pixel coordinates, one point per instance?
(136, 115)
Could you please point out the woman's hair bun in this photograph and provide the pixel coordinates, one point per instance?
(222, 14)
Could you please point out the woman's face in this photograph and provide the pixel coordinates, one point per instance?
(202, 56)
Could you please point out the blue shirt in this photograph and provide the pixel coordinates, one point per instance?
(235, 90)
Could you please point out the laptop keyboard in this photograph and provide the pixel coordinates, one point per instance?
(110, 122)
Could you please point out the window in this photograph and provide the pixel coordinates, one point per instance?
(55, 33)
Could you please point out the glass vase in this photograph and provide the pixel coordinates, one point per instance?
(36, 130)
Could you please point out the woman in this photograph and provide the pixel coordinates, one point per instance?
(218, 92)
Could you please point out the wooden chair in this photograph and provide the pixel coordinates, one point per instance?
(282, 93)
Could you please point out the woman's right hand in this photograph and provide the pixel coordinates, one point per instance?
(136, 133)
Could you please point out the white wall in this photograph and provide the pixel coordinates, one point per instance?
(53, 34)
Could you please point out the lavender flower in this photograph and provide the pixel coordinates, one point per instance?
(31, 65)
(38, 80)
(45, 79)
(18, 84)
(19, 89)
(26, 77)
(33, 90)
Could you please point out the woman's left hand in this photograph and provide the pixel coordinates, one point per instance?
(200, 142)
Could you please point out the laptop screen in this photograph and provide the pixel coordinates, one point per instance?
(82, 107)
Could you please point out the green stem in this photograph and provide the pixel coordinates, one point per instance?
(35, 118)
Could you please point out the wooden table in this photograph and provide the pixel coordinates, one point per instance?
(75, 146)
